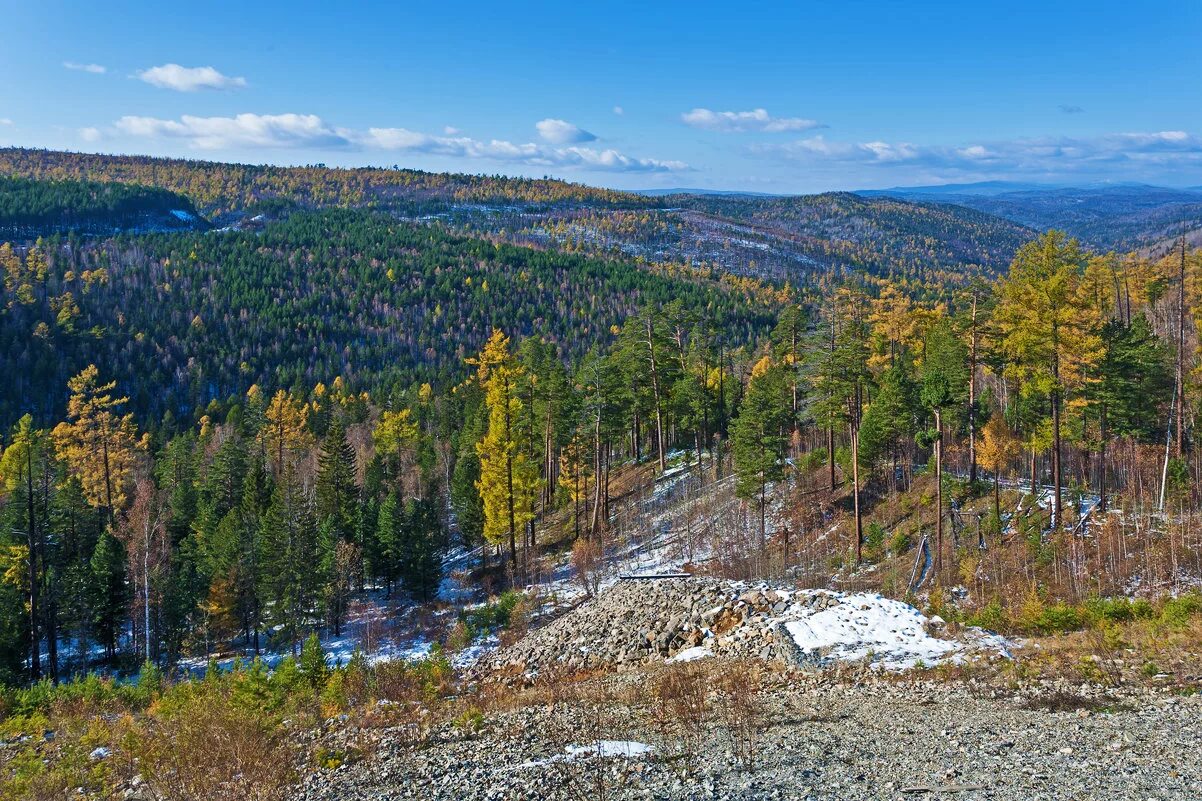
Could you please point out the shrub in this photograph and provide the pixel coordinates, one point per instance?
(681, 707)
(313, 662)
(1177, 612)
(1060, 618)
(470, 720)
(874, 541)
(740, 709)
(900, 542)
(493, 615)
(991, 616)
(1117, 610)
(812, 460)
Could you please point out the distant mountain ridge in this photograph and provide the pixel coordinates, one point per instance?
(1119, 216)
(684, 191)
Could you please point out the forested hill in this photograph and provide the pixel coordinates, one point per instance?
(31, 208)
(188, 318)
(879, 234)
(800, 239)
(217, 188)
(804, 240)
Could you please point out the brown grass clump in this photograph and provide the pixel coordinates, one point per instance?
(212, 748)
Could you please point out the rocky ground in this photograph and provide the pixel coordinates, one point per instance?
(700, 688)
(811, 738)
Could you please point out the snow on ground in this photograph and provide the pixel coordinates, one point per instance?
(691, 654)
(380, 628)
(605, 749)
(866, 626)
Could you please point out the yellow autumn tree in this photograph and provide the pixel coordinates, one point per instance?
(998, 448)
(286, 431)
(395, 431)
(1048, 326)
(509, 481)
(97, 444)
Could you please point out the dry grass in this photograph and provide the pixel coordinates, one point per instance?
(214, 749)
(680, 708)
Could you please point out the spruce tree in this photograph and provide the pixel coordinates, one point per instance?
(335, 489)
(110, 602)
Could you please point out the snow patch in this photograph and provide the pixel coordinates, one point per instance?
(691, 654)
(889, 633)
(605, 749)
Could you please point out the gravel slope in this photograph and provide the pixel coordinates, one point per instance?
(820, 740)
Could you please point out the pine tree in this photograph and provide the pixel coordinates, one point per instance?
(893, 417)
(838, 371)
(288, 557)
(465, 497)
(382, 558)
(1133, 381)
(944, 388)
(788, 343)
(419, 552)
(758, 436)
(256, 497)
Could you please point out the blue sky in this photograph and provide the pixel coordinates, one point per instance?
(784, 97)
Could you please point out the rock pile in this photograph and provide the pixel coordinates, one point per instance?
(693, 617)
(634, 621)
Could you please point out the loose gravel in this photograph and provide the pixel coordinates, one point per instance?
(817, 739)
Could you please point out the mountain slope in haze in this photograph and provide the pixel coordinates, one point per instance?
(883, 236)
(981, 188)
(1111, 216)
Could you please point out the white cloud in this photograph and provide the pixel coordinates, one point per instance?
(189, 79)
(1107, 154)
(451, 130)
(95, 69)
(758, 120)
(5, 121)
(561, 132)
(243, 130)
(310, 131)
(529, 153)
(619, 110)
(89, 134)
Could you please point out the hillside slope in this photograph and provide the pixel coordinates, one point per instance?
(382, 303)
(32, 208)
